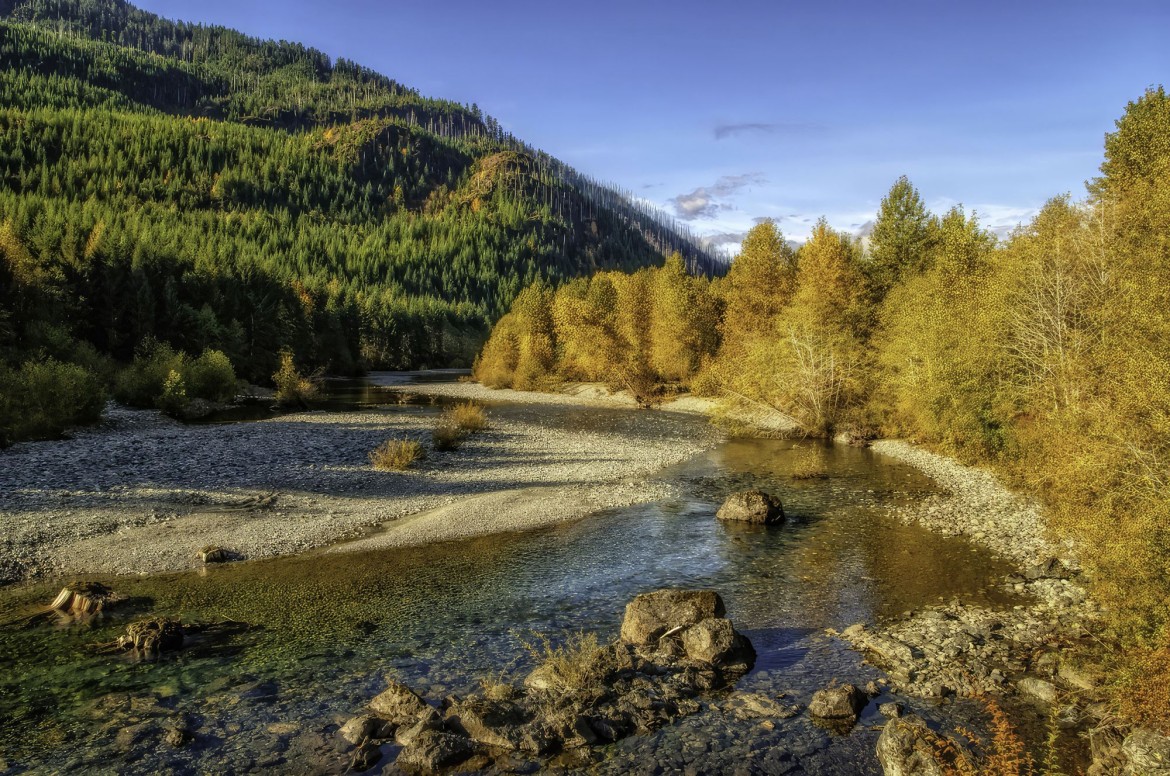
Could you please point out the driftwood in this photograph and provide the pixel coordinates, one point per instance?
(246, 505)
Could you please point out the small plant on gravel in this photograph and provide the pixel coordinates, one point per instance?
(447, 436)
(397, 455)
(467, 416)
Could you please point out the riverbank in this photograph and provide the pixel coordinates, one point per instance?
(143, 493)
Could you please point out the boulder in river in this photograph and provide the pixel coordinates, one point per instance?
(651, 615)
(752, 506)
(841, 702)
(398, 704)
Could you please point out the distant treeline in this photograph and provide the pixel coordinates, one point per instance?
(189, 186)
(1046, 354)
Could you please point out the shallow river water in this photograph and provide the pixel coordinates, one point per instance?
(328, 628)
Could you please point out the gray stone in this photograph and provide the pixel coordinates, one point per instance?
(713, 640)
(1037, 688)
(842, 702)
(362, 727)
(651, 615)
(752, 506)
(1147, 753)
(906, 747)
(398, 704)
(433, 750)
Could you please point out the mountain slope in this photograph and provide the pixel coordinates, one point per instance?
(193, 185)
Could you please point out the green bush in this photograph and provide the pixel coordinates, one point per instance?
(42, 399)
(158, 372)
(212, 377)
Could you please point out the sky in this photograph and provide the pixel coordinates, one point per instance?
(725, 113)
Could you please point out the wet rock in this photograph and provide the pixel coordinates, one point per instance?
(752, 506)
(1146, 753)
(842, 702)
(891, 710)
(151, 637)
(713, 640)
(398, 704)
(178, 738)
(428, 720)
(433, 750)
(651, 615)
(365, 726)
(907, 747)
(489, 722)
(133, 736)
(1038, 689)
(366, 756)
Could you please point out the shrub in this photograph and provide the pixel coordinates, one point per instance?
(293, 388)
(447, 436)
(396, 454)
(42, 399)
(173, 398)
(141, 384)
(212, 377)
(467, 416)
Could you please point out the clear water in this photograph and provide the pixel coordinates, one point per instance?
(327, 628)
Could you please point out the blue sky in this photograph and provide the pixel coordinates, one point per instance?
(723, 113)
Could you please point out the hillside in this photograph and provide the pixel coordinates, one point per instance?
(189, 184)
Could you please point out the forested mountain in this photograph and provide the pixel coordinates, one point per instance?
(192, 185)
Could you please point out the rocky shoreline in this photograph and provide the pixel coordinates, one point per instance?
(1039, 655)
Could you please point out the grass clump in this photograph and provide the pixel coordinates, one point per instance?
(572, 665)
(467, 416)
(397, 455)
(447, 437)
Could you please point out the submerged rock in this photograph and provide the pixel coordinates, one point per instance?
(752, 506)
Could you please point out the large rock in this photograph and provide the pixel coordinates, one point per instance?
(907, 747)
(752, 506)
(715, 641)
(398, 704)
(488, 722)
(1146, 753)
(433, 750)
(842, 702)
(651, 615)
